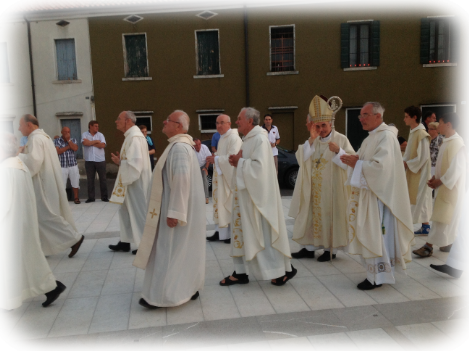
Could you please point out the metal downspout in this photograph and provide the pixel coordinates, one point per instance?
(33, 86)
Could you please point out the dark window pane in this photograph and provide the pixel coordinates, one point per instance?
(208, 122)
(66, 59)
(208, 53)
(359, 45)
(282, 49)
(146, 121)
(136, 52)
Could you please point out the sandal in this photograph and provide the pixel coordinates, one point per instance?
(242, 279)
(77, 201)
(280, 281)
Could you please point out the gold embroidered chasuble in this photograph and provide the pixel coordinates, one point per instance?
(384, 175)
(228, 145)
(320, 197)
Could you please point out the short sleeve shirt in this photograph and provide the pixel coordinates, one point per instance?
(202, 155)
(67, 159)
(215, 139)
(93, 153)
(273, 136)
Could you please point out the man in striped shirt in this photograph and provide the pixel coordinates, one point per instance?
(66, 148)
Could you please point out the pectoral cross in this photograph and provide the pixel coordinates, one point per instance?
(153, 213)
(318, 162)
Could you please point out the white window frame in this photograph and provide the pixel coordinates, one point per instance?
(270, 73)
(151, 122)
(196, 75)
(200, 122)
(346, 117)
(124, 49)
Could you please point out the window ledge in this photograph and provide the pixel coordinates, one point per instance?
(208, 131)
(74, 81)
(136, 79)
(440, 65)
(370, 68)
(283, 73)
(198, 76)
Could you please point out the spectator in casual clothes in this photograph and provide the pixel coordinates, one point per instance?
(273, 136)
(23, 142)
(151, 145)
(435, 143)
(202, 153)
(93, 149)
(66, 148)
(427, 118)
(215, 139)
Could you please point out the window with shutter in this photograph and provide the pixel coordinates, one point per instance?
(438, 41)
(135, 55)
(66, 59)
(4, 69)
(282, 48)
(359, 44)
(208, 52)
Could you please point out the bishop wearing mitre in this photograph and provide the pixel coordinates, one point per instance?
(259, 241)
(132, 188)
(172, 250)
(24, 270)
(319, 202)
(57, 229)
(229, 144)
(379, 215)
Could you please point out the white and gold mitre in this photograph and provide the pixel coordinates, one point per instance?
(319, 110)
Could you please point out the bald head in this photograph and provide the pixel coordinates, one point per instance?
(66, 133)
(223, 124)
(28, 124)
(183, 119)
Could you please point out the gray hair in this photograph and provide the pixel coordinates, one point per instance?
(130, 115)
(377, 108)
(183, 119)
(252, 113)
(8, 144)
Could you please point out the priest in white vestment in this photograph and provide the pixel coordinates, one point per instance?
(132, 187)
(319, 202)
(172, 250)
(418, 166)
(259, 241)
(450, 184)
(379, 215)
(228, 144)
(57, 229)
(457, 259)
(24, 270)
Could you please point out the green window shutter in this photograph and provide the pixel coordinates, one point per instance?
(454, 41)
(424, 41)
(136, 49)
(208, 53)
(344, 45)
(375, 44)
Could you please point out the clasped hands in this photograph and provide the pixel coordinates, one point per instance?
(234, 159)
(434, 183)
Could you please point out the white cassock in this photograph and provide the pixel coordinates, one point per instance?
(319, 202)
(380, 221)
(457, 257)
(174, 258)
(417, 157)
(57, 229)
(229, 144)
(24, 269)
(451, 169)
(258, 235)
(132, 187)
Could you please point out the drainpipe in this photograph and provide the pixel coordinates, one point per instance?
(31, 67)
(246, 55)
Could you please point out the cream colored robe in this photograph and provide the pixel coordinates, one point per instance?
(132, 187)
(57, 229)
(257, 208)
(382, 191)
(24, 270)
(229, 144)
(318, 214)
(174, 258)
(423, 206)
(449, 196)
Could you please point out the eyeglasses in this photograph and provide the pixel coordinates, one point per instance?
(366, 115)
(220, 123)
(168, 120)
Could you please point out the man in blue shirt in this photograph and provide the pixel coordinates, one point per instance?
(215, 139)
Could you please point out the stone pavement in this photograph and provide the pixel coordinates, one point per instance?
(320, 308)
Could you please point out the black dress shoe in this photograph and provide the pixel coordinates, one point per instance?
(303, 253)
(76, 247)
(143, 303)
(326, 256)
(227, 241)
(214, 237)
(195, 296)
(444, 268)
(89, 200)
(134, 252)
(125, 247)
(366, 285)
(51, 296)
(105, 199)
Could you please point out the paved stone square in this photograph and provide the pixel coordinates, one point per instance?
(320, 308)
